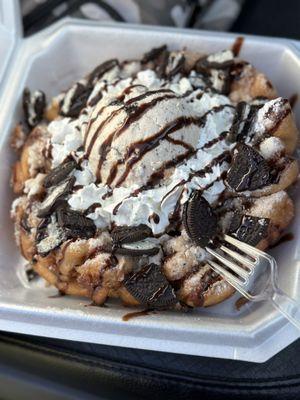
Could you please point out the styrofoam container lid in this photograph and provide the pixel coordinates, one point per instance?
(10, 29)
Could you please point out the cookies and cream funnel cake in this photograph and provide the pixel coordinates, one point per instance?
(124, 178)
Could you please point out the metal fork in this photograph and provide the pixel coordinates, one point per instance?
(253, 270)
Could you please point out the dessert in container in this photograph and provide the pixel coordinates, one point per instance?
(51, 61)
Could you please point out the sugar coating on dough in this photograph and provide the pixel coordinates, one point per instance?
(93, 263)
(34, 186)
(266, 205)
(271, 147)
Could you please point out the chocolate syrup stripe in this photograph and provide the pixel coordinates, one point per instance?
(208, 168)
(179, 143)
(144, 146)
(92, 120)
(120, 97)
(97, 98)
(172, 163)
(153, 141)
(133, 115)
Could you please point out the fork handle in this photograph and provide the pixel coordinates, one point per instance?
(287, 306)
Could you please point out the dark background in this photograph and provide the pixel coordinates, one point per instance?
(39, 368)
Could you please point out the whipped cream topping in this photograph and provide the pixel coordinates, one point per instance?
(124, 207)
(146, 143)
(66, 137)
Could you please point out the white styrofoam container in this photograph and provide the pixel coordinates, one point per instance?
(51, 60)
(9, 32)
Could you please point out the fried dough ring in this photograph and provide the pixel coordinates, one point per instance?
(24, 168)
(58, 270)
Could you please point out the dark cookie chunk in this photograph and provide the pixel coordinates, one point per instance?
(216, 74)
(34, 106)
(24, 223)
(91, 208)
(30, 273)
(199, 220)
(161, 65)
(75, 224)
(101, 69)
(150, 287)
(64, 224)
(59, 173)
(238, 126)
(55, 197)
(249, 170)
(49, 236)
(231, 204)
(221, 81)
(95, 99)
(250, 229)
(235, 221)
(218, 80)
(244, 116)
(205, 63)
(175, 64)
(153, 54)
(130, 234)
(75, 100)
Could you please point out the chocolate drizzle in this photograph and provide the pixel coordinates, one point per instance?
(153, 54)
(133, 113)
(137, 150)
(101, 69)
(237, 45)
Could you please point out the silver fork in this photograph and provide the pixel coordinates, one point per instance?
(258, 275)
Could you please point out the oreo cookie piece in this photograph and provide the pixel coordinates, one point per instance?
(221, 60)
(55, 197)
(150, 287)
(249, 170)
(33, 106)
(174, 65)
(75, 100)
(58, 174)
(250, 230)
(130, 234)
(220, 80)
(244, 116)
(153, 54)
(101, 69)
(49, 235)
(75, 224)
(199, 219)
(237, 130)
(137, 249)
(30, 273)
(24, 223)
(235, 221)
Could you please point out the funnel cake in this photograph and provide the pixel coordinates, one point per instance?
(124, 178)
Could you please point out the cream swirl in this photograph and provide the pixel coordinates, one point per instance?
(147, 143)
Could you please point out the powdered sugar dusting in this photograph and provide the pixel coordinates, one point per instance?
(267, 204)
(271, 147)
